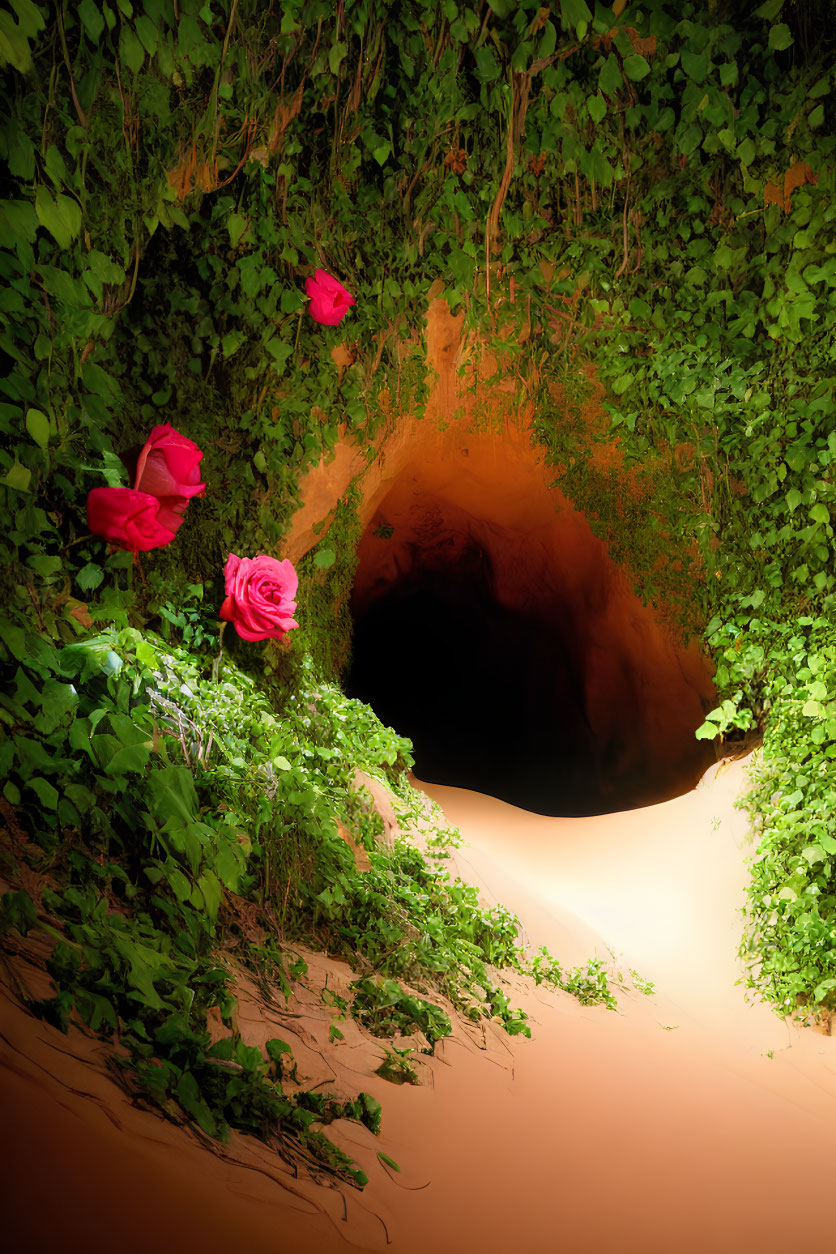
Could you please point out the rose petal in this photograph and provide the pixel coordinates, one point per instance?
(127, 519)
(168, 464)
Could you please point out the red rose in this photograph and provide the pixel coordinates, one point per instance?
(260, 596)
(127, 519)
(168, 469)
(328, 299)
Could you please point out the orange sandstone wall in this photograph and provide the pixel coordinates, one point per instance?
(439, 488)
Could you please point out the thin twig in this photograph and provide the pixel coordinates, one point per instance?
(81, 114)
(218, 73)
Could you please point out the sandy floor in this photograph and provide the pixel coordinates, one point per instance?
(689, 1121)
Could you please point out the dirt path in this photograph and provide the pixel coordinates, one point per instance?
(689, 1121)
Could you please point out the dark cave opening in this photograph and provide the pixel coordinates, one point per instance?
(492, 629)
(489, 695)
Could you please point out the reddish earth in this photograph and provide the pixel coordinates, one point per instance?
(493, 629)
(689, 1120)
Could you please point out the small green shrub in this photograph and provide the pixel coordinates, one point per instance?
(588, 984)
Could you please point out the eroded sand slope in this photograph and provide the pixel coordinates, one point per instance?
(689, 1121)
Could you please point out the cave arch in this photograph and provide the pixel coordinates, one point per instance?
(493, 629)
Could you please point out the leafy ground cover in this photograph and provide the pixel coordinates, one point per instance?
(158, 799)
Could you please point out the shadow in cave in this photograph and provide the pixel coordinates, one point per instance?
(492, 697)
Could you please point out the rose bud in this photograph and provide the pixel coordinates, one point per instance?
(328, 299)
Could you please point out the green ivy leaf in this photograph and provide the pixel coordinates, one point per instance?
(29, 17)
(280, 351)
(324, 558)
(57, 700)
(523, 54)
(60, 215)
(104, 267)
(597, 107)
(690, 141)
(823, 988)
(780, 37)
(17, 477)
(45, 564)
(636, 67)
(609, 77)
(487, 67)
(89, 577)
(746, 151)
(639, 308)
(131, 51)
(596, 166)
(336, 57)
(173, 793)
(46, 793)
(291, 300)
(147, 33)
(277, 1050)
(228, 868)
(91, 18)
(188, 1094)
(129, 758)
(695, 65)
(37, 424)
(213, 893)
(21, 156)
(575, 15)
(15, 35)
(231, 342)
(55, 166)
(236, 224)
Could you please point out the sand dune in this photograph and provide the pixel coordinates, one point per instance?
(688, 1121)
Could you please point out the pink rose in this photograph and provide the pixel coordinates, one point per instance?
(260, 596)
(127, 519)
(168, 469)
(329, 299)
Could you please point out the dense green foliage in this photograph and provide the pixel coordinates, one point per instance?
(792, 897)
(653, 192)
(165, 806)
(177, 823)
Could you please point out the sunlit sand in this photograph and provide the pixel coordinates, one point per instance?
(691, 1120)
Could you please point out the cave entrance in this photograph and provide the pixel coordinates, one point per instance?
(492, 628)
